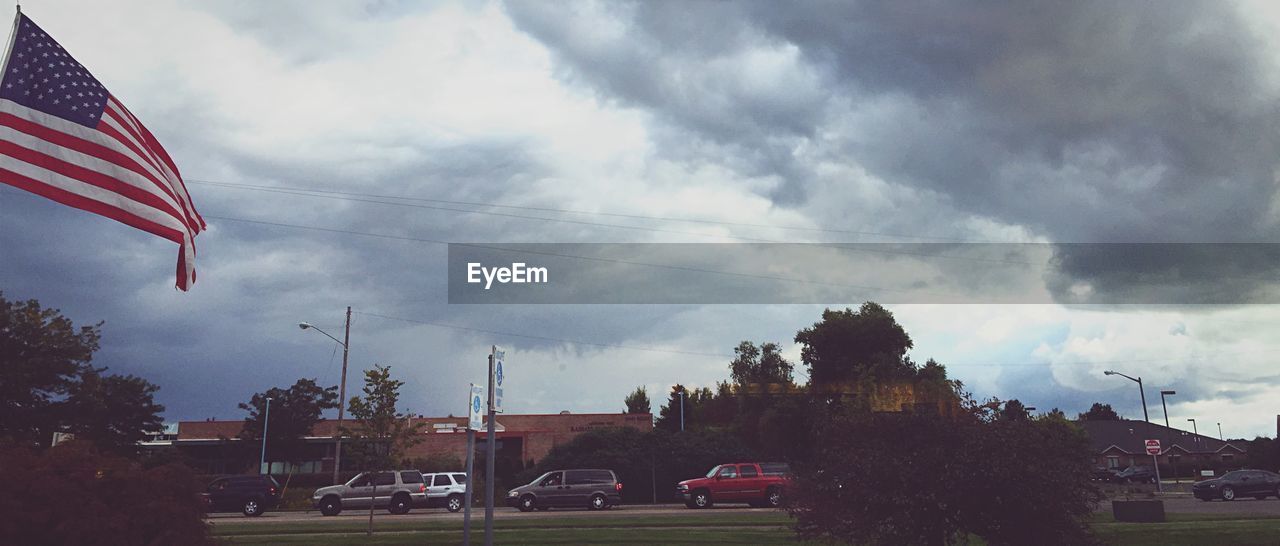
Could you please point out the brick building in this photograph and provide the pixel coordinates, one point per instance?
(1120, 444)
(211, 446)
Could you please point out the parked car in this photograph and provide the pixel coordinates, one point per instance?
(1136, 474)
(447, 489)
(1104, 474)
(757, 484)
(249, 495)
(596, 489)
(398, 491)
(1258, 484)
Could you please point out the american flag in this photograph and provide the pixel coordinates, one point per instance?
(65, 137)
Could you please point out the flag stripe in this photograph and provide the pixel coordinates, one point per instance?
(113, 182)
(81, 200)
(131, 127)
(88, 148)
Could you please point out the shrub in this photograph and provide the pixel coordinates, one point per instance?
(72, 494)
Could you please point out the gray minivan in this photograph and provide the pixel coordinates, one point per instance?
(596, 489)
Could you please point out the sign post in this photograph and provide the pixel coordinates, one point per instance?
(1153, 449)
(474, 422)
(496, 376)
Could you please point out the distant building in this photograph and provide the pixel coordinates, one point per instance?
(1119, 444)
(212, 446)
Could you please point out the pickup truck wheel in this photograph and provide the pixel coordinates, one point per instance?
(252, 507)
(330, 506)
(454, 503)
(773, 497)
(400, 504)
(527, 503)
(701, 499)
(598, 502)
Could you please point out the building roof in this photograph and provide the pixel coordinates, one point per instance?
(516, 423)
(1130, 437)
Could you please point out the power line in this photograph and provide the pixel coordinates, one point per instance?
(586, 212)
(543, 338)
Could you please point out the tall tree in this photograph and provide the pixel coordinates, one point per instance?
(853, 346)
(294, 412)
(638, 401)
(41, 355)
(382, 434)
(114, 412)
(1099, 412)
(759, 365)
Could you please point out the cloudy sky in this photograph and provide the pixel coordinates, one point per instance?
(334, 148)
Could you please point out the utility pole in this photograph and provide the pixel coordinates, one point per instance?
(682, 390)
(342, 399)
(266, 420)
(471, 462)
(490, 453)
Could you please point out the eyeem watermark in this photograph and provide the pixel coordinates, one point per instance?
(518, 273)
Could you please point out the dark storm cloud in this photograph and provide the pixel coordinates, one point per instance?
(1085, 121)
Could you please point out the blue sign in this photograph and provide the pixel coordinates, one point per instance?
(498, 372)
(475, 405)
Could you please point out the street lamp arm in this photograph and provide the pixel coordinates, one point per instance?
(317, 328)
(1122, 375)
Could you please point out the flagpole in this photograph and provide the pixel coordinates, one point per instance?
(13, 37)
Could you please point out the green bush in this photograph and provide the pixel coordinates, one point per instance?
(72, 494)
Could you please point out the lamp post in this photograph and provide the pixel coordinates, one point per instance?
(1141, 392)
(266, 421)
(1167, 428)
(342, 388)
(1220, 431)
(1194, 430)
(682, 389)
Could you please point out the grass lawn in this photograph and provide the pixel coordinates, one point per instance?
(761, 528)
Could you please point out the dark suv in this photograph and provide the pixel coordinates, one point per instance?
(596, 489)
(1258, 484)
(250, 495)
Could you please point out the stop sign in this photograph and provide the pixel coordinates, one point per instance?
(1153, 447)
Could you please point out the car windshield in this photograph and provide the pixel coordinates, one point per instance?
(712, 473)
(539, 479)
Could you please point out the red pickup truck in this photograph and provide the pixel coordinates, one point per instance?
(757, 484)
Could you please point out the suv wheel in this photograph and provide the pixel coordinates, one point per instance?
(330, 506)
(454, 502)
(252, 508)
(598, 502)
(773, 497)
(527, 503)
(1228, 494)
(400, 504)
(701, 499)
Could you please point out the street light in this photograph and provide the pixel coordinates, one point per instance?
(1141, 392)
(266, 421)
(1219, 431)
(342, 388)
(1194, 430)
(1167, 428)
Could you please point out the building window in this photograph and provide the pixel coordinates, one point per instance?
(1113, 461)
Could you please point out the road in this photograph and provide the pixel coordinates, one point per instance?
(440, 514)
(1172, 505)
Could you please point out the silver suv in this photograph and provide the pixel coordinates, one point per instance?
(397, 491)
(447, 489)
